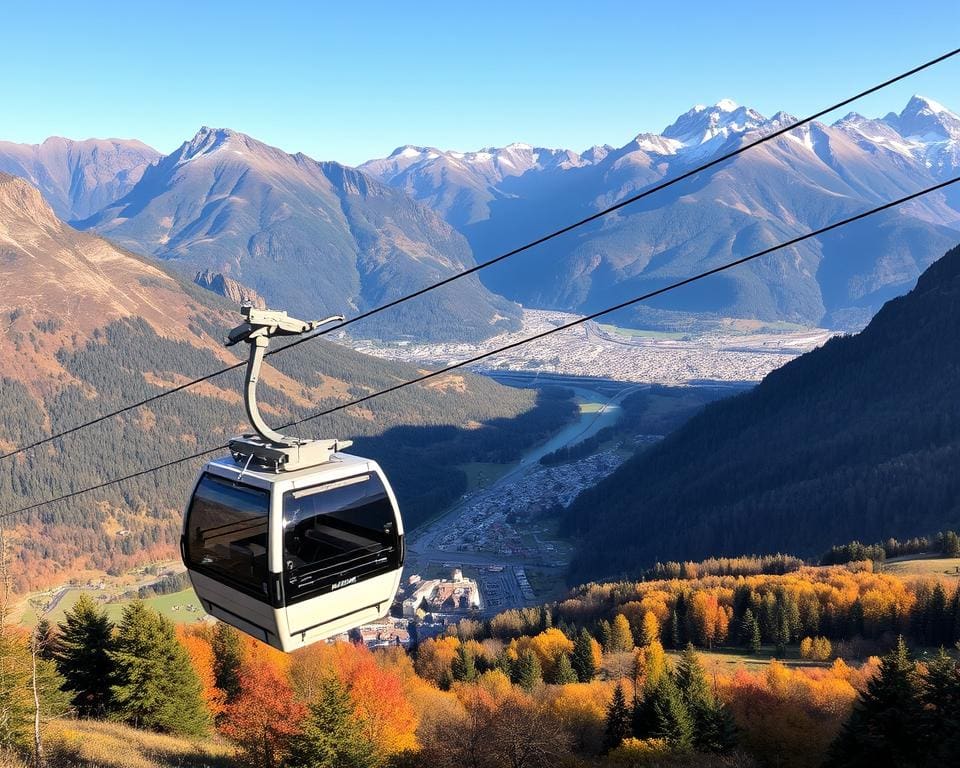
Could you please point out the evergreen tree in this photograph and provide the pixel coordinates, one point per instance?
(674, 633)
(750, 632)
(154, 683)
(617, 726)
(564, 673)
(83, 657)
(886, 724)
(227, 657)
(582, 662)
(669, 717)
(333, 735)
(603, 634)
(940, 694)
(463, 667)
(46, 640)
(527, 672)
(714, 728)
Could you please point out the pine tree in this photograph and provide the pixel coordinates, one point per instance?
(46, 640)
(463, 668)
(674, 639)
(583, 662)
(227, 655)
(154, 683)
(714, 728)
(83, 657)
(603, 634)
(617, 726)
(670, 718)
(527, 672)
(563, 673)
(750, 632)
(332, 736)
(886, 725)
(940, 693)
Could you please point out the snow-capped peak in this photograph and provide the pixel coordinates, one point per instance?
(701, 124)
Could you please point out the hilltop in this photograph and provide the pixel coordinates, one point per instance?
(856, 440)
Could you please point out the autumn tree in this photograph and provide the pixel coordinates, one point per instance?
(201, 654)
(154, 683)
(649, 629)
(264, 717)
(583, 661)
(620, 637)
(886, 724)
(332, 735)
(83, 657)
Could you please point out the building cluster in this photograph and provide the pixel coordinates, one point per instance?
(596, 351)
(456, 595)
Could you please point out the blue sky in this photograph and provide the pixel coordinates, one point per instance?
(350, 81)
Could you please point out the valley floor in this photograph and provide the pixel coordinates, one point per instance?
(733, 351)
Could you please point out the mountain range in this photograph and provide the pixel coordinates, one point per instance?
(796, 182)
(858, 439)
(89, 327)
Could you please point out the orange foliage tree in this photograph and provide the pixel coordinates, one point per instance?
(265, 715)
(198, 648)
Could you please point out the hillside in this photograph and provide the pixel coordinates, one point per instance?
(88, 327)
(856, 440)
(78, 178)
(316, 238)
(788, 186)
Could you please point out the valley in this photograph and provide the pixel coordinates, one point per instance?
(733, 351)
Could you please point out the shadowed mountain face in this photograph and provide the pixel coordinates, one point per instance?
(859, 439)
(78, 178)
(314, 238)
(88, 327)
(795, 183)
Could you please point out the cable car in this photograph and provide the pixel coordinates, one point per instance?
(289, 540)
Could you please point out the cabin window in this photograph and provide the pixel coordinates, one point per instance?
(227, 533)
(337, 534)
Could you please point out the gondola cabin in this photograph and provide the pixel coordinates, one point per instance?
(290, 540)
(294, 557)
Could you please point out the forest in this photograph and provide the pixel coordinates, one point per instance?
(468, 418)
(858, 439)
(626, 674)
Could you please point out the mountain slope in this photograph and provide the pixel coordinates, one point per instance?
(788, 186)
(858, 439)
(314, 238)
(78, 178)
(88, 328)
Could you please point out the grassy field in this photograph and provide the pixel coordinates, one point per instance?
(728, 659)
(89, 744)
(945, 567)
(641, 332)
(482, 474)
(175, 607)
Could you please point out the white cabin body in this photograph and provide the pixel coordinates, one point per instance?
(294, 557)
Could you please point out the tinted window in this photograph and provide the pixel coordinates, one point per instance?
(227, 533)
(338, 533)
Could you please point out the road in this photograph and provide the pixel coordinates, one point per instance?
(501, 587)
